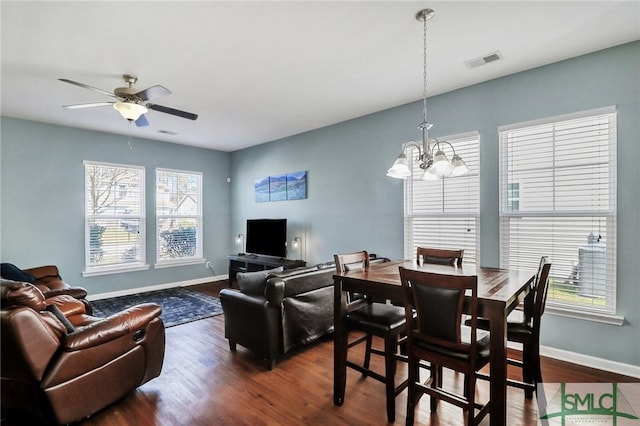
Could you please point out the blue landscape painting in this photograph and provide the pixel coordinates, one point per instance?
(262, 190)
(278, 187)
(297, 186)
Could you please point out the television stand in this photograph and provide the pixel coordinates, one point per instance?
(254, 262)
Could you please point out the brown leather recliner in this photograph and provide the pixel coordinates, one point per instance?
(57, 373)
(48, 280)
(50, 283)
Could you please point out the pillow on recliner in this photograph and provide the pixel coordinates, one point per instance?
(253, 283)
(13, 273)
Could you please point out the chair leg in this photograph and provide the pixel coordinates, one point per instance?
(390, 347)
(436, 382)
(528, 368)
(537, 368)
(411, 389)
(466, 386)
(367, 354)
(470, 389)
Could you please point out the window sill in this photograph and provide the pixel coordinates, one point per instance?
(604, 318)
(172, 263)
(114, 270)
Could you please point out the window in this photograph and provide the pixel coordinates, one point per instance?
(558, 198)
(178, 217)
(445, 213)
(513, 197)
(115, 218)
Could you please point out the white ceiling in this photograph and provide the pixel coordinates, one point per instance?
(259, 71)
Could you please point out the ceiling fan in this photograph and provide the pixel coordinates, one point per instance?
(130, 102)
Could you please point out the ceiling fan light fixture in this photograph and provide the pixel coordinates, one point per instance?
(130, 110)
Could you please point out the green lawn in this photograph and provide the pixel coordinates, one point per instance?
(561, 292)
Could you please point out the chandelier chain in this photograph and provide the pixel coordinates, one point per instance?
(424, 72)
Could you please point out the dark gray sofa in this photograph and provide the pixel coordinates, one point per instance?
(294, 309)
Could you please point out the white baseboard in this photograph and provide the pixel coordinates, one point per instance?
(587, 360)
(591, 361)
(156, 287)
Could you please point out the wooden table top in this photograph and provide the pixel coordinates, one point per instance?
(493, 283)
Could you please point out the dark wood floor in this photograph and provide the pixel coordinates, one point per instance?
(203, 383)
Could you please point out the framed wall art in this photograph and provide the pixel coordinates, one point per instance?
(288, 186)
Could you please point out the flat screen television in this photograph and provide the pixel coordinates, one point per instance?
(267, 237)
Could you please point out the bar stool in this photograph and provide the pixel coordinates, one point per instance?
(436, 335)
(524, 327)
(374, 319)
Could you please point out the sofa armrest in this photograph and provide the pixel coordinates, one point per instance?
(274, 291)
(68, 305)
(110, 328)
(235, 297)
(252, 322)
(77, 292)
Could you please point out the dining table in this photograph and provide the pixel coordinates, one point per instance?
(499, 292)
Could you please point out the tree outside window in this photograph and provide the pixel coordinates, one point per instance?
(178, 216)
(114, 213)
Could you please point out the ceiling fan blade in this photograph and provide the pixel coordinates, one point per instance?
(142, 121)
(95, 89)
(91, 105)
(153, 92)
(172, 111)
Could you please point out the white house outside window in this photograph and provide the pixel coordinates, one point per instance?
(558, 198)
(114, 218)
(445, 213)
(178, 217)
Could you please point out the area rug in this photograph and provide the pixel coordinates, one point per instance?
(179, 305)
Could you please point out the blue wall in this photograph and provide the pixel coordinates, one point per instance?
(42, 219)
(352, 205)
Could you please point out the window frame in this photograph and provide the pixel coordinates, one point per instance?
(559, 214)
(89, 218)
(198, 217)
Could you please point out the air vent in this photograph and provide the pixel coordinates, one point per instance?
(484, 59)
(167, 132)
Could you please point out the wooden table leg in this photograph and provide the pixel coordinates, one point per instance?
(340, 343)
(498, 360)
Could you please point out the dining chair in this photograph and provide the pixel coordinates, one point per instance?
(434, 306)
(523, 326)
(440, 256)
(374, 319)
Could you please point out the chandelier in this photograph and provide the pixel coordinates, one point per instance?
(432, 159)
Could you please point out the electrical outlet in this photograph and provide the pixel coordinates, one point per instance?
(207, 265)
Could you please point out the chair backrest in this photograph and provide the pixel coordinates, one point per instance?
(351, 261)
(438, 301)
(441, 256)
(347, 261)
(541, 290)
(535, 301)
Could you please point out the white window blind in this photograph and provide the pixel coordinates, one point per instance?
(558, 198)
(445, 213)
(114, 217)
(178, 216)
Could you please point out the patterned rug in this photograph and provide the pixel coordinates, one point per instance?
(179, 305)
